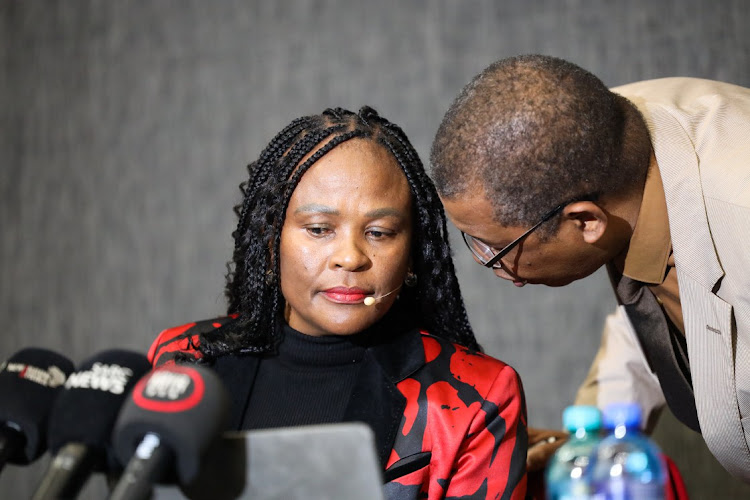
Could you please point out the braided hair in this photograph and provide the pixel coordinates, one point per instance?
(253, 285)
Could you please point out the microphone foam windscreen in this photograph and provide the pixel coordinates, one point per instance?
(185, 405)
(29, 382)
(86, 409)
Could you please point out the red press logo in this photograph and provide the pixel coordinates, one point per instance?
(169, 389)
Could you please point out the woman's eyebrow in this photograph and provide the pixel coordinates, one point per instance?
(323, 209)
(316, 208)
(384, 212)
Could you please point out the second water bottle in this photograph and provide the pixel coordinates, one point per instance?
(626, 465)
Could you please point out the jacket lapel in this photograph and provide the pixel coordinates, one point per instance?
(375, 399)
(686, 207)
(238, 374)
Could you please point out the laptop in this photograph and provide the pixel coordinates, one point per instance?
(331, 461)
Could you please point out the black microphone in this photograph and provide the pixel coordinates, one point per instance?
(171, 418)
(371, 300)
(29, 382)
(82, 419)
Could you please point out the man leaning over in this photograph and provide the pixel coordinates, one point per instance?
(549, 175)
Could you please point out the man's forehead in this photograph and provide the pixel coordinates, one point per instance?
(473, 214)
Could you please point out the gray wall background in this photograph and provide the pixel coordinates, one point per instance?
(125, 128)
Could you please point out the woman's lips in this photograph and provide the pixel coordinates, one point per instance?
(345, 295)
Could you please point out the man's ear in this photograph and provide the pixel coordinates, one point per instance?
(589, 218)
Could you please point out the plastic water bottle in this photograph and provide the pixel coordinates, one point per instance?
(626, 464)
(566, 477)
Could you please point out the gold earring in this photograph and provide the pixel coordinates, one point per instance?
(270, 277)
(411, 279)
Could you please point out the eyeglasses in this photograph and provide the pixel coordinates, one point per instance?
(487, 256)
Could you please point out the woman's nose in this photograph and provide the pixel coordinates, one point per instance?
(350, 254)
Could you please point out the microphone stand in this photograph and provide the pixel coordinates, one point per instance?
(11, 439)
(149, 464)
(67, 474)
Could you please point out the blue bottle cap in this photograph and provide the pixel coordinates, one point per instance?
(627, 414)
(582, 417)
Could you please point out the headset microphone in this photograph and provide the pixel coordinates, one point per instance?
(371, 300)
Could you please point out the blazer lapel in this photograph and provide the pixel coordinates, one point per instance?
(238, 374)
(375, 399)
(686, 208)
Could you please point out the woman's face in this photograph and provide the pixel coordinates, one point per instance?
(347, 236)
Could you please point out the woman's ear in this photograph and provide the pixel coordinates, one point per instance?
(589, 218)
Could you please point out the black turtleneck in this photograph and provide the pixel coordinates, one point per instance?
(308, 381)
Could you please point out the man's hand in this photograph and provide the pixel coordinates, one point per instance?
(542, 445)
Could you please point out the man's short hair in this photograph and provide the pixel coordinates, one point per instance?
(535, 131)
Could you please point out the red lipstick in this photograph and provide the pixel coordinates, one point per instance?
(344, 295)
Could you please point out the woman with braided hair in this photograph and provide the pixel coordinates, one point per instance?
(344, 306)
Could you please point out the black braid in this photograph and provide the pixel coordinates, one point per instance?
(435, 263)
(272, 153)
(253, 288)
(437, 281)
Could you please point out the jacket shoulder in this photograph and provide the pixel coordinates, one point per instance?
(182, 339)
(680, 88)
(466, 365)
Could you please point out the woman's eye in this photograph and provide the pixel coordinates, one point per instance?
(379, 233)
(317, 230)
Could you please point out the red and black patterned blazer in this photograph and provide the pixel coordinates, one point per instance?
(448, 422)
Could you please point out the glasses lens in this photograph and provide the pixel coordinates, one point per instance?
(481, 250)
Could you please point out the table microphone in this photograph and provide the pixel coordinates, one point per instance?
(82, 419)
(371, 300)
(29, 382)
(166, 425)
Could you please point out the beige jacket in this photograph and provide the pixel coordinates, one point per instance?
(700, 130)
